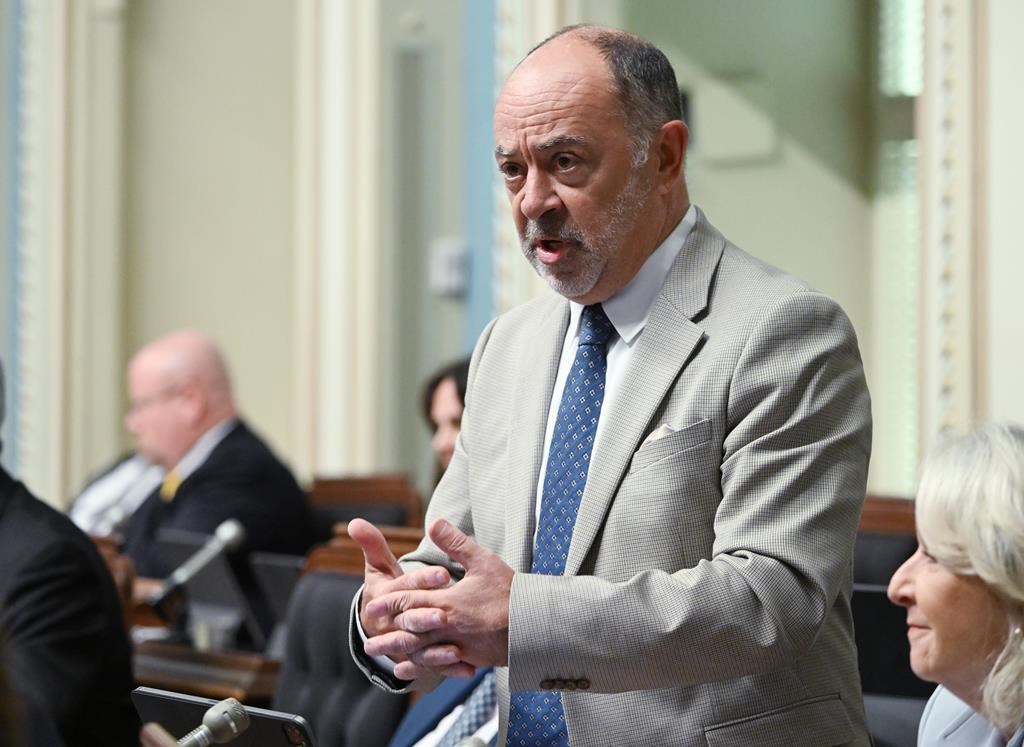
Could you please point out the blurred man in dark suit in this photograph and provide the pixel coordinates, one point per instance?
(66, 656)
(183, 417)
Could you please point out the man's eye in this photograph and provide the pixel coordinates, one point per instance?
(511, 170)
(564, 161)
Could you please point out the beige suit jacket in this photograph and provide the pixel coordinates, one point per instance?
(706, 594)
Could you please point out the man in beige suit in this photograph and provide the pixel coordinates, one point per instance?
(700, 591)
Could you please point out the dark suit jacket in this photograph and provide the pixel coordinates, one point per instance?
(426, 713)
(67, 653)
(241, 479)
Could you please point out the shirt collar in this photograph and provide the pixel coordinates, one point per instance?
(202, 448)
(629, 309)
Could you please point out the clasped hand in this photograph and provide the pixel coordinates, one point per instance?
(422, 621)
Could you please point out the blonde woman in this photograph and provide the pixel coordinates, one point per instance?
(964, 590)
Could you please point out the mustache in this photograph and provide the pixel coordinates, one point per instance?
(552, 227)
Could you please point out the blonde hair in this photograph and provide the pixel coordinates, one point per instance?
(970, 517)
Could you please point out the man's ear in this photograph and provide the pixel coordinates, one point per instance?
(194, 400)
(669, 154)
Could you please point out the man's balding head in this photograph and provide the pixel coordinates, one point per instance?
(179, 388)
(642, 77)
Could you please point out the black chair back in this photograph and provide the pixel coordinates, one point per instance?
(318, 678)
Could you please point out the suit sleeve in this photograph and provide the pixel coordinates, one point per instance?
(792, 474)
(56, 622)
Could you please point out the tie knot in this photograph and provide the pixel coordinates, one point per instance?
(595, 327)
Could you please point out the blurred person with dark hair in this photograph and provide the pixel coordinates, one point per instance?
(444, 399)
(964, 590)
(66, 657)
(436, 717)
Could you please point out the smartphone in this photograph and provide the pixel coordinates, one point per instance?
(179, 714)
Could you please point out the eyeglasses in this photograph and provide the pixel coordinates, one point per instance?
(144, 403)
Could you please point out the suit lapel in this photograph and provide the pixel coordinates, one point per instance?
(666, 345)
(532, 390)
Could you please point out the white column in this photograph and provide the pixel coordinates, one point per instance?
(338, 237)
(42, 243)
(946, 131)
(95, 375)
(70, 242)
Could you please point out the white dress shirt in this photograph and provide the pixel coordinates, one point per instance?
(196, 456)
(628, 311)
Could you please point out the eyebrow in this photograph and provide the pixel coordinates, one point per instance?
(555, 142)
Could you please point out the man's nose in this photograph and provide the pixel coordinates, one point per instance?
(539, 196)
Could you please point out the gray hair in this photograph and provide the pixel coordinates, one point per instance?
(644, 82)
(970, 516)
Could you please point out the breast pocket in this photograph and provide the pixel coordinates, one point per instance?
(685, 438)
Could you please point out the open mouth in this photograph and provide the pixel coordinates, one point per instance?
(550, 251)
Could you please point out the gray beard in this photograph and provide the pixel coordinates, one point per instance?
(590, 251)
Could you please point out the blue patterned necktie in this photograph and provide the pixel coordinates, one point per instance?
(477, 711)
(536, 719)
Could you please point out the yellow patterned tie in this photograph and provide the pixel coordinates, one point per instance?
(170, 486)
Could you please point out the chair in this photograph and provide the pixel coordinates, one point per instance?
(122, 570)
(318, 678)
(894, 697)
(381, 499)
(277, 576)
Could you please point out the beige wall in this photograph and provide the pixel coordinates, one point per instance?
(782, 130)
(208, 202)
(1003, 311)
(209, 184)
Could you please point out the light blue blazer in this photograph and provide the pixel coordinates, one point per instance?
(949, 722)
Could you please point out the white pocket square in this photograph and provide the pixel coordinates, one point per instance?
(660, 432)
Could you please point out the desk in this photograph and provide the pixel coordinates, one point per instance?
(247, 677)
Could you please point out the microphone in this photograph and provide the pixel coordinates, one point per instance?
(229, 535)
(221, 723)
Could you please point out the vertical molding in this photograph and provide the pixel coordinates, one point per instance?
(370, 239)
(981, 113)
(338, 237)
(95, 268)
(69, 243)
(946, 133)
(307, 241)
(42, 244)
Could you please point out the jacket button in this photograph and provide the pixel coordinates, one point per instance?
(583, 683)
(570, 684)
(547, 684)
